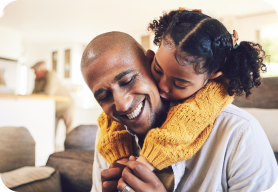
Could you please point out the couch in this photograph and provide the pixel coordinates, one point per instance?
(17, 165)
(263, 105)
(75, 164)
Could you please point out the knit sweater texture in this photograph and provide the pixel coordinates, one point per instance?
(184, 132)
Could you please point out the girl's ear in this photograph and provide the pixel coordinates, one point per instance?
(218, 74)
(150, 56)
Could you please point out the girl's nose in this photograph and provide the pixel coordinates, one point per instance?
(163, 85)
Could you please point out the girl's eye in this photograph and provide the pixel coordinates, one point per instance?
(156, 70)
(179, 86)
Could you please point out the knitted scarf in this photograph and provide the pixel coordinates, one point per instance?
(187, 127)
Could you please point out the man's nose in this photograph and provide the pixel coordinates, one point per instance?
(122, 101)
(163, 85)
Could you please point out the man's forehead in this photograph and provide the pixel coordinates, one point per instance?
(111, 72)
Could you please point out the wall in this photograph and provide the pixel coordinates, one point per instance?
(10, 74)
(142, 32)
(248, 26)
(10, 48)
(10, 41)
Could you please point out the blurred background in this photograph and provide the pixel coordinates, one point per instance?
(57, 32)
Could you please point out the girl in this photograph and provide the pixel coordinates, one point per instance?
(198, 66)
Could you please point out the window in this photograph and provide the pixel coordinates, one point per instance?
(269, 41)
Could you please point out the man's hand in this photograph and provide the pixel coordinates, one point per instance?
(111, 176)
(139, 178)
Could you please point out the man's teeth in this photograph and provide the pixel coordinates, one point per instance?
(136, 112)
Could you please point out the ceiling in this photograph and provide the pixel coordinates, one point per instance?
(81, 20)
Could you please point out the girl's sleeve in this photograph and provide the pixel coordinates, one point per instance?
(186, 128)
(114, 142)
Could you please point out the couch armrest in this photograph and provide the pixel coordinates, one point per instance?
(82, 138)
(17, 148)
(75, 167)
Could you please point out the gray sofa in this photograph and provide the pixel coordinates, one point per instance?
(66, 171)
(75, 164)
(17, 163)
(263, 105)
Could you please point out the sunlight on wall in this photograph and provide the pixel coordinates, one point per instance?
(89, 100)
(76, 72)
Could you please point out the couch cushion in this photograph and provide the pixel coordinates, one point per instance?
(265, 96)
(32, 179)
(17, 148)
(82, 137)
(75, 167)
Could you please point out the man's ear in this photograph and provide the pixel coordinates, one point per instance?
(216, 75)
(150, 56)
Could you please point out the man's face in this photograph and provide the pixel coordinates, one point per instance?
(124, 88)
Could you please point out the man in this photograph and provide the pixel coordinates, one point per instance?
(116, 70)
(121, 85)
(47, 83)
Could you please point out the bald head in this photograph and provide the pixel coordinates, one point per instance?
(121, 42)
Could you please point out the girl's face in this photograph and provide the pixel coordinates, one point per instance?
(175, 82)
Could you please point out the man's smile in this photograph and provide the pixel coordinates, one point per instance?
(136, 112)
(134, 116)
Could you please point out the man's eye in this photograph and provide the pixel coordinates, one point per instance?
(156, 70)
(179, 86)
(128, 82)
(103, 98)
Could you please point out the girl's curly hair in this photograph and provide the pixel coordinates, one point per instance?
(204, 37)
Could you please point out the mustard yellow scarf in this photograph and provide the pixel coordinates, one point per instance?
(186, 129)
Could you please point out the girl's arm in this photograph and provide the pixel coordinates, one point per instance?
(186, 128)
(114, 141)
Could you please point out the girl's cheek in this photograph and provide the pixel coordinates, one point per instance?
(156, 78)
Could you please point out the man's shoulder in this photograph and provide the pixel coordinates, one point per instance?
(233, 120)
(232, 111)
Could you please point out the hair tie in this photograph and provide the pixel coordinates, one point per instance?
(183, 9)
(197, 10)
(235, 39)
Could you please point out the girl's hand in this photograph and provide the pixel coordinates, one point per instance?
(122, 161)
(140, 178)
(141, 159)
